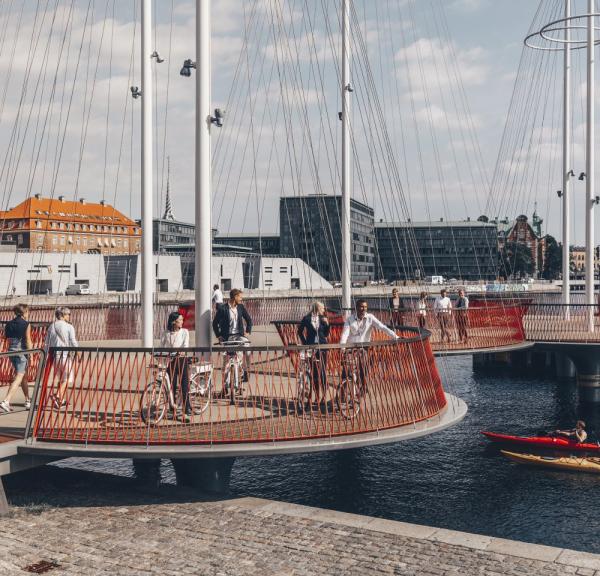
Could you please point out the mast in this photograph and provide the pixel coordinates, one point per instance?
(203, 176)
(148, 284)
(567, 169)
(346, 90)
(590, 171)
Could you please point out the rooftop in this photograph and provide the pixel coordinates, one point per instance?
(437, 224)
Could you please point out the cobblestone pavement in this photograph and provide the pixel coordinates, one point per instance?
(95, 526)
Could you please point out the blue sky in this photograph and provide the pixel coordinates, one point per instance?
(70, 127)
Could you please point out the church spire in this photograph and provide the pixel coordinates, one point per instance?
(168, 215)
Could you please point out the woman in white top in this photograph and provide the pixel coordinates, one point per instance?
(176, 336)
(61, 334)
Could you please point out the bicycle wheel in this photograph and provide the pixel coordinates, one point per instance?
(154, 403)
(348, 399)
(303, 392)
(200, 392)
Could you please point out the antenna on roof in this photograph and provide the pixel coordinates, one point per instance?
(168, 208)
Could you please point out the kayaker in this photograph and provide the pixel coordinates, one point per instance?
(578, 432)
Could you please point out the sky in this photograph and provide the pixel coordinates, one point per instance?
(432, 80)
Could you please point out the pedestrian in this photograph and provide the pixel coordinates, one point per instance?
(443, 309)
(462, 316)
(314, 329)
(422, 310)
(18, 333)
(358, 329)
(61, 334)
(217, 297)
(177, 337)
(232, 322)
(396, 306)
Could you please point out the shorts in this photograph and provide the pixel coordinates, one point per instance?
(19, 363)
(63, 368)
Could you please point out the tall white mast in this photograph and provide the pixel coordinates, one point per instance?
(203, 175)
(346, 90)
(590, 171)
(567, 168)
(148, 284)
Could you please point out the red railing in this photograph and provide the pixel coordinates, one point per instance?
(114, 398)
(562, 323)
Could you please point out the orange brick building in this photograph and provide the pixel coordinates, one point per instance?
(59, 225)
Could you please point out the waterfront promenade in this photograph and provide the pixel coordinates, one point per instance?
(96, 524)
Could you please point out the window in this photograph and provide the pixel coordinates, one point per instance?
(268, 270)
(283, 269)
(54, 240)
(125, 243)
(38, 224)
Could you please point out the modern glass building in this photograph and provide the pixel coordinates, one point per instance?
(265, 244)
(466, 250)
(310, 229)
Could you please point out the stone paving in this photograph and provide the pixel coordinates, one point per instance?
(92, 525)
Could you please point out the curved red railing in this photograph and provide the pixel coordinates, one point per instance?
(105, 402)
(7, 373)
(562, 323)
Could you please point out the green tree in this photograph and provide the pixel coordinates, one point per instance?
(553, 259)
(516, 260)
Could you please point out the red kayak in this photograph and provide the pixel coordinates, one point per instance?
(550, 442)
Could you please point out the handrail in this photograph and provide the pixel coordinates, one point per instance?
(119, 396)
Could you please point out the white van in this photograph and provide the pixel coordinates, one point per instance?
(77, 289)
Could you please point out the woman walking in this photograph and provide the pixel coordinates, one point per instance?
(18, 333)
(61, 334)
(178, 337)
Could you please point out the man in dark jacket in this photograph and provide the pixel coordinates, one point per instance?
(232, 318)
(232, 321)
(314, 329)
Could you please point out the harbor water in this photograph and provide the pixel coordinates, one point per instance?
(453, 479)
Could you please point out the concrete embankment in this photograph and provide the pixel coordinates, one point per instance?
(98, 525)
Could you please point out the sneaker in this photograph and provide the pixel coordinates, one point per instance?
(27, 405)
(57, 402)
(5, 406)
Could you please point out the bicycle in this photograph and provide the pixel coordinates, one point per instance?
(158, 396)
(233, 367)
(352, 389)
(304, 391)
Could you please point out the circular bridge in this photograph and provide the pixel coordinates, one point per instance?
(370, 393)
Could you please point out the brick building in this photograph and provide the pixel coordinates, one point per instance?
(59, 225)
(522, 232)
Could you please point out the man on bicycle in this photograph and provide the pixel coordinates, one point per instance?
(357, 329)
(232, 321)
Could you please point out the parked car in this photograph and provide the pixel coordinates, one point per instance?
(77, 289)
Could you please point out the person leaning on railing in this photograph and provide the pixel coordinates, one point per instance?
(462, 316)
(358, 328)
(61, 334)
(443, 309)
(178, 337)
(422, 310)
(396, 307)
(18, 333)
(314, 329)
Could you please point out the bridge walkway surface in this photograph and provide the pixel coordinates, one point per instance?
(127, 529)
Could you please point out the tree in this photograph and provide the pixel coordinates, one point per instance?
(515, 260)
(553, 259)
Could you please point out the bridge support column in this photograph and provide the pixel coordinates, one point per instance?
(565, 369)
(4, 509)
(587, 365)
(205, 474)
(147, 471)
